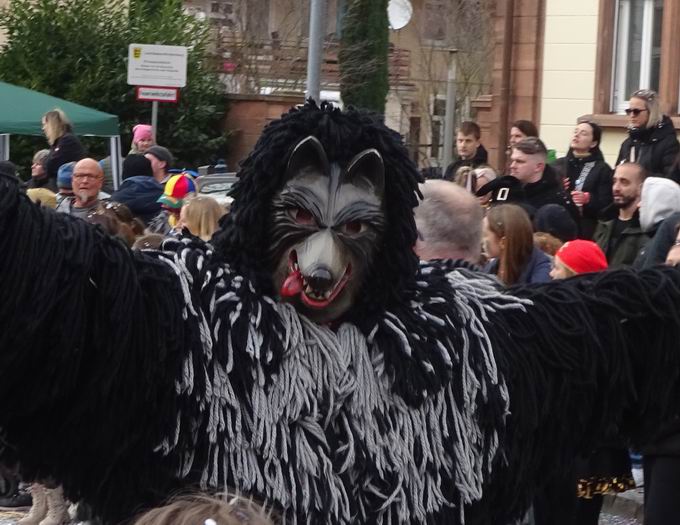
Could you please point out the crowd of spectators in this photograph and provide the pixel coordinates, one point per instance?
(542, 220)
(530, 221)
(151, 205)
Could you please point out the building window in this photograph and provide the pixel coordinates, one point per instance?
(637, 49)
(257, 19)
(434, 20)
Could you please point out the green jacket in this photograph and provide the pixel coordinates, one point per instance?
(629, 245)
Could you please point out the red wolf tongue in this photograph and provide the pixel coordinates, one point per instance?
(292, 286)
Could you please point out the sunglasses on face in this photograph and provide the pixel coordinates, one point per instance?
(634, 111)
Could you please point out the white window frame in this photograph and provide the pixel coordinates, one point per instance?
(622, 24)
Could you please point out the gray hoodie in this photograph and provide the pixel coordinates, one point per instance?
(660, 198)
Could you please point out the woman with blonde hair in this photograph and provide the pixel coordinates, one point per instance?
(201, 215)
(651, 141)
(64, 145)
(509, 243)
(201, 509)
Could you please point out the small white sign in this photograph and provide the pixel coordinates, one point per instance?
(159, 94)
(154, 65)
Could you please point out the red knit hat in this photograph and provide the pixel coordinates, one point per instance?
(582, 256)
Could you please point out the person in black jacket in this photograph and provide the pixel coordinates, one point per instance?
(651, 141)
(469, 149)
(64, 145)
(586, 175)
(540, 182)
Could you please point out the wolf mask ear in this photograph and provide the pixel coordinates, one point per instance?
(367, 168)
(308, 154)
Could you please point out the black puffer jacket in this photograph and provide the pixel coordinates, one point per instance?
(592, 175)
(481, 158)
(42, 182)
(66, 148)
(654, 148)
(549, 190)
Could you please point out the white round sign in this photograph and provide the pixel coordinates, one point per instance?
(399, 13)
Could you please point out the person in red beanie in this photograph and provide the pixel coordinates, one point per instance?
(578, 256)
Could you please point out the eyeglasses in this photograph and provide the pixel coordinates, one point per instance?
(634, 111)
(89, 176)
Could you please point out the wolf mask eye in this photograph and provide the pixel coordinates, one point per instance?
(302, 217)
(353, 227)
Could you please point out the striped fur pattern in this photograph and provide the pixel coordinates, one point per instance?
(326, 438)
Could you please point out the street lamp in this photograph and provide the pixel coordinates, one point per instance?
(449, 116)
(317, 17)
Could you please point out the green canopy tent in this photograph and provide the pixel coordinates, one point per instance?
(21, 112)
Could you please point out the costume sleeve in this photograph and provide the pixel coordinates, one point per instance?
(92, 339)
(588, 359)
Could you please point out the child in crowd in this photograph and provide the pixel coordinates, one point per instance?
(201, 215)
(576, 257)
(177, 189)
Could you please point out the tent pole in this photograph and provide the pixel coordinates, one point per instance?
(4, 146)
(154, 120)
(115, 152)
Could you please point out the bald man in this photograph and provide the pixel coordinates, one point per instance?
(449, 223)
(88, 178)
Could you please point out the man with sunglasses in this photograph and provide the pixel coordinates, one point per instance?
(652, 140)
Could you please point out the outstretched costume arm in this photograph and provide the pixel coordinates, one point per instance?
(93, 338)
(588, 359)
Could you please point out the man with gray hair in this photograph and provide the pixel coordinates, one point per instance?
(449, 223)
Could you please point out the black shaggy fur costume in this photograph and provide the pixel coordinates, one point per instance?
(441, 398)
(244, 240)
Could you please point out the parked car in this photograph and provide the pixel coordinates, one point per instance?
(217, 186)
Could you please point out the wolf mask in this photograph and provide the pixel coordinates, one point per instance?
(327, 222)
(303, 161)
